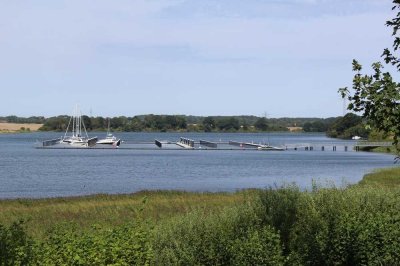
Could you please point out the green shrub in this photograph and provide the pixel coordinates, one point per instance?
(359, 225)
(16, 248)
(354, 226)
(125, 245)
(200, 239)
(258, 247)
(279, 208)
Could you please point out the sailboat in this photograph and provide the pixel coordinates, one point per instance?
(110, 138)
(76, 138)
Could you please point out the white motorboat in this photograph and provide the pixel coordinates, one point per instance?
(110, 138)
(269, 148)
(76, 138)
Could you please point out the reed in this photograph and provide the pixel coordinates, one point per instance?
(41, 215)
(388, 178)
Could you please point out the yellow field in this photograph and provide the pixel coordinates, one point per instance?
(294, 129)
(12, 127)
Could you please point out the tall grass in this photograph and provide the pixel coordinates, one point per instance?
(388, 178)
(109, 211)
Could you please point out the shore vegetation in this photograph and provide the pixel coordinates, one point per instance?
(356, 225)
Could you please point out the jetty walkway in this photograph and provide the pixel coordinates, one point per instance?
(190, 144)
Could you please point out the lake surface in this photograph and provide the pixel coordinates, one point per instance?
(27, 172)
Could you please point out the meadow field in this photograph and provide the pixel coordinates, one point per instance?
(16, 127)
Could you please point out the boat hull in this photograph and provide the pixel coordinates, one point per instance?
(109, 142)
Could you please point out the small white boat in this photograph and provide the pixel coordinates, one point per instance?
(110, 138)
(76, 138)
(356, 138)
(269, 148)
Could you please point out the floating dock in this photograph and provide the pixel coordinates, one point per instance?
(189, 144)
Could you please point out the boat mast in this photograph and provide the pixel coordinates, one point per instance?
(78, 116)
(66, 131)
(73, 122)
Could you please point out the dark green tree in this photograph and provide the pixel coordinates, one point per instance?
(209, 124)
(228, 124)
(348, 126)
(136, 124)
(377, 95)
(58, 123)
(87, 122)
(98, 122)
(261, 124)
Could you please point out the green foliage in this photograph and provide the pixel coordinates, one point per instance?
(348, 126)
(316, 126)
(279, 209)
(355, 226)
(16, 248)
(348, 227)
(257, 247)
(375, 135)
(59, 123)
(359, 225)
(23, 120)
(209, 124)
(125, 245)
(377, 95)
(164, 123)
(261, 124)
(232, 237)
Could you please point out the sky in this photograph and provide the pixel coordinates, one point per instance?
(280, 58)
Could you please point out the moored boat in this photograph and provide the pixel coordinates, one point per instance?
(110, 138)
(269, 148)
(76, 138)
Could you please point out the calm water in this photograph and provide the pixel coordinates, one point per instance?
(29, 172)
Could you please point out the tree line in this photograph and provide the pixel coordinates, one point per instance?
(166, 123)
(23, 120)
(340, 127)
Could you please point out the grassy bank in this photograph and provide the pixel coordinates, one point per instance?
(111, 210)
(386, 178)
(359, 225)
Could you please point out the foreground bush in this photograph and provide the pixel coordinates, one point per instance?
(285, 226)
(126, 245)
(16, 248)
(232, 237)
(333, 226)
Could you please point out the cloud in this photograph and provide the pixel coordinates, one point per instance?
(50, 49)
(60, 34)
